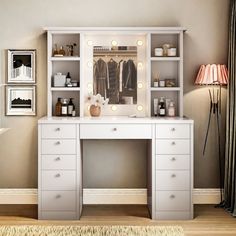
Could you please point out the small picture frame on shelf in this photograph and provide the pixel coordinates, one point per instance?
(20, 100)
(21, 66)
(170, 82)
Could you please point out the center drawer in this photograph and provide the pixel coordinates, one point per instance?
(58, 180)
(115, 131)
(58, 200)
(58, 146)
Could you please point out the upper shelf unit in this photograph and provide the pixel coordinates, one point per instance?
(63, 69)
(68, 52)
(166, 71)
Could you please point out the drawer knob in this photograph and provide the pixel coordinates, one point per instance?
(173, 143)
(58, 196)
(172, 196)
(173, 175)
(58, 159)
(58, 129)
(57, 175)
(114, 129)
(58, 143)
(173, 129)
(173, 159)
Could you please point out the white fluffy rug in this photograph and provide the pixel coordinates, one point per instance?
(91, 230)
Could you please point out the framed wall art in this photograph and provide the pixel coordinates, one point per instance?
(20, 100)
(21, 66)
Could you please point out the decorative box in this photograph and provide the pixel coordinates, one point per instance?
(59, 80)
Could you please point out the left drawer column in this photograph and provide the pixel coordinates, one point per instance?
(59, 157)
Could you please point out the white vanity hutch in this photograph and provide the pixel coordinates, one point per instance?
(170, 140)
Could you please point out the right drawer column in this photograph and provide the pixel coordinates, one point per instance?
(173, 198)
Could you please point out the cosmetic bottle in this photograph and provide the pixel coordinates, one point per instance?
(155, 106)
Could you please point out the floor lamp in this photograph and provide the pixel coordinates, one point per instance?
(214, 75)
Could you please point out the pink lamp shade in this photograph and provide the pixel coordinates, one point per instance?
(212, 74)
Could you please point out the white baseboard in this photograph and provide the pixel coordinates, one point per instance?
(106, 196)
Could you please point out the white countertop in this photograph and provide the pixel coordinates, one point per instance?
(113, 119)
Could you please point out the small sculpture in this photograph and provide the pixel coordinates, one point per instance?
(70, 49)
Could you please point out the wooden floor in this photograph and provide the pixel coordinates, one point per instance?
(207, 221)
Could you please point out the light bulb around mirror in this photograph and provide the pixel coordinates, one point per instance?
(90, 64)
(139, 107)
(139, 42)
(89, 85)
(113, 108)
(114, 43)
(90, 42)
(140, 65)
(140, 85)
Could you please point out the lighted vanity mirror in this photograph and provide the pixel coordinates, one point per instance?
(115, 73)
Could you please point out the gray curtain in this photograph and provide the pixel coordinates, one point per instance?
(230, 151)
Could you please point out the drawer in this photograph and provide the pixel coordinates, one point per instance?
(173, 131)
(58, 200)
(58, 215)
(54, 162)
(58, 131)
(172, 180)
(172, 146)
(173, 201)
(172, 162)
(58, 146)
(58, 180)
(115, 131)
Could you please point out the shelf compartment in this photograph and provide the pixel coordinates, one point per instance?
(165, 70)
(66, 94)
(157, 41)
(66, 66)
(173, 95)
(66, 39)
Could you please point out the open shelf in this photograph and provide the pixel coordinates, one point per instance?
(65, 89)
(165, 58)
(64, 58)
(165, 89)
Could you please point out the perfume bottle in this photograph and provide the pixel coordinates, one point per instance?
(55, 50)
(71, 107)
(62, 51)
(162, 109)
(58, 107)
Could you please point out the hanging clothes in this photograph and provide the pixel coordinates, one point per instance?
(113, 82)
(129, 75)
(100, 78)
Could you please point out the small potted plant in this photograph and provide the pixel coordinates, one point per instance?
(96, 101)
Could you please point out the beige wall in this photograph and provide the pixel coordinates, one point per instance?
(21, 23)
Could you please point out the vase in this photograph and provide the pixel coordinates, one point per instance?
(95, 110)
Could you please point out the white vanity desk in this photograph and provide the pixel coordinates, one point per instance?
(170, 162)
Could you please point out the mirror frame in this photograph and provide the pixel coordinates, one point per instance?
(106, 39)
